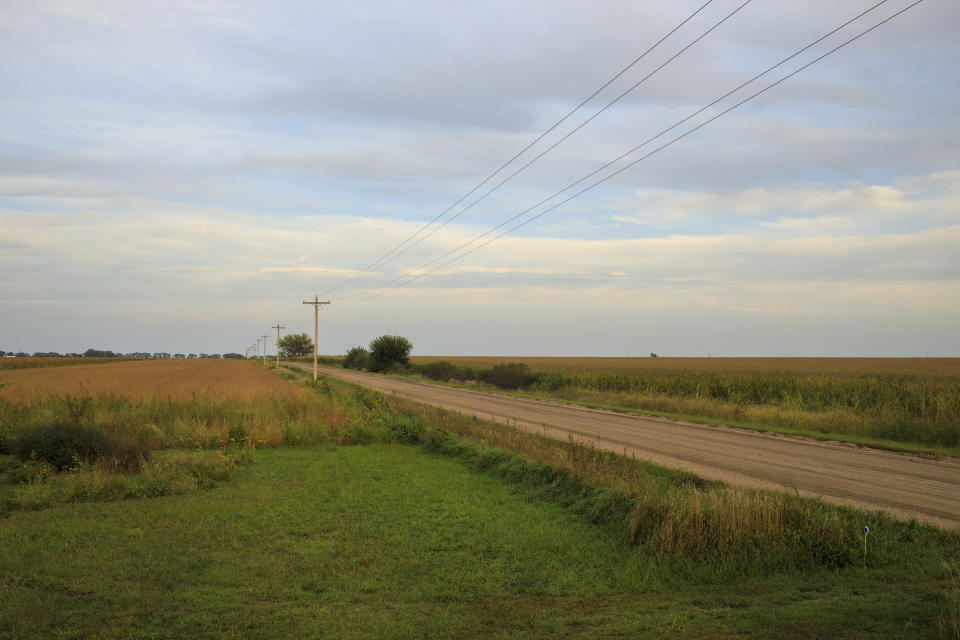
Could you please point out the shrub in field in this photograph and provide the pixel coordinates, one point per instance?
(441, 370)
(237, 434)
(507, 376)
(5, 436)
(387, 351)
(356, 358)
(403, 428)
(62, 443)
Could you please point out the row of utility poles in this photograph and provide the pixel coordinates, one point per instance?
(255, 348)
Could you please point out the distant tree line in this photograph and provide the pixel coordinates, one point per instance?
(106, 353)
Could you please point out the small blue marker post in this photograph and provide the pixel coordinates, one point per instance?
(866, 532)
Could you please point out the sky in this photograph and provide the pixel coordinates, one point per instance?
(181, 176)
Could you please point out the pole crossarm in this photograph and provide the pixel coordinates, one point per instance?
(316, 302)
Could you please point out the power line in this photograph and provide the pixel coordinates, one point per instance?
(580, 126)
(640, 159)
(641, 145)
(387, 256)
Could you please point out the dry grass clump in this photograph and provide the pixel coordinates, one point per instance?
(34, 485)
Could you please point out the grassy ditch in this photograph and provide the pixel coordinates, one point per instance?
(388, 540)
(723, 530)
(712, 528)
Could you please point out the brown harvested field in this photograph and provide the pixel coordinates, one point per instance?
(940, 366)
(176, 379)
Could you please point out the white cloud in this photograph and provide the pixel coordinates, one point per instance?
(804, 209)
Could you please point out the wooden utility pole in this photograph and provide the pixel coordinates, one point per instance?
(316, 329)
(263, 358)
(278, 327)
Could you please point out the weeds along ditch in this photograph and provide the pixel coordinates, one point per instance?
(688, 527)
(909, 406)
(60, 448)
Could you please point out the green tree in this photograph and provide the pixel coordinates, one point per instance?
(387, 351)
(357, 358)
(98, 353)
(295, 344)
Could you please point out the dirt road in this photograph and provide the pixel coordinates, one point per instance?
(902, 484)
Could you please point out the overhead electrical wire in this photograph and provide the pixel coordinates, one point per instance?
(387, 257)
(417, 276)
(399, 249)
(580, 126)
(644, 143)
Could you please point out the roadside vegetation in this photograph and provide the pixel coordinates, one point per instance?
(78, 446)
(313, 509)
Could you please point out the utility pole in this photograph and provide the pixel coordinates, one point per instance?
(316, 329)
(278, 327)
(263, 359)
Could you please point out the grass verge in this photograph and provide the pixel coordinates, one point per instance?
(391, 541)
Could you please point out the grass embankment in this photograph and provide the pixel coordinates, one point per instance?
(911, 404)
(441, 525)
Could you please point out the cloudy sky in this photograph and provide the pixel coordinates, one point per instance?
(180, 176)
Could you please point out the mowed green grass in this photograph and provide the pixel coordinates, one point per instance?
(390, 541)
